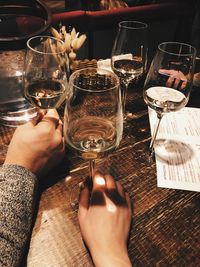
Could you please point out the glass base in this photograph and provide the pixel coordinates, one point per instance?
(14, 119)
(74, 196)
(172, 151)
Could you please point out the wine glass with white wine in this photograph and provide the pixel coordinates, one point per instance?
(46, 72)
(93, 121)
(129, 56)
(169, 80)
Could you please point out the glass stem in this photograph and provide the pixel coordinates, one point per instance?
(151, 147)
(124, 95)
(92, 167)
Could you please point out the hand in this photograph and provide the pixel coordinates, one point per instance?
(105, 217)
(176, 78)
(38, 146)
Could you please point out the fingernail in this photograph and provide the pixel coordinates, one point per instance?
(99, 179)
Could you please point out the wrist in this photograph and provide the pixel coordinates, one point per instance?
(111, 259)
(18, 161)
(25, 162)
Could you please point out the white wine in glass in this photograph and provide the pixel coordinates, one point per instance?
(46, 72)
(169, 80)
(93, 121)
(129, 56)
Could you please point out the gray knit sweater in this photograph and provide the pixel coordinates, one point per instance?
(17, 199)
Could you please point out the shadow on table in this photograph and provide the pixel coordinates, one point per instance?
(173, 152)
(57, 174)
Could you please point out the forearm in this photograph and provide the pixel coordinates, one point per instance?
(17, 199)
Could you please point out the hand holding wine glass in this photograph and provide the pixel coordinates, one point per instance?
(169, 81)
(129, 55)
(93, 115)
(46, 72)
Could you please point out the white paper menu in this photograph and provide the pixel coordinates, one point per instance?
(177, 149)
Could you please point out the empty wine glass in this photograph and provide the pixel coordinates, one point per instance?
(129, 56)
(46, 72)
(169, 80)
(93, 122)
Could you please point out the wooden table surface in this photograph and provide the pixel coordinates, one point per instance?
(166, 223)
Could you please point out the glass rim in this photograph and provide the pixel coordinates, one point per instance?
(138, 24)
(177, 54)
(92, 69)
(45, 37)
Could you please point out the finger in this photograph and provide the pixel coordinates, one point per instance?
(98, 181)
(52, 113)
(48, 123)
(84, 199)
(129, 206)
(164, 71)
(170, 81)
(60, 127)
(98, 190)
(114, 191)
(120, 189)
(128, 201)
(110, 182)
(177, 82)
(61, 145)
(37, 118)
(184, 84)
(51, 119)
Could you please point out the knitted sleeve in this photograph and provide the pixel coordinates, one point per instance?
(17, 198)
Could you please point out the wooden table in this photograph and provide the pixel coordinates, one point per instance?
(166, 223)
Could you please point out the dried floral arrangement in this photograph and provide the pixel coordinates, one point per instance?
(73, 41)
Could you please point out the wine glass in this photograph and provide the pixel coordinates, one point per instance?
(46, 72)
(129, 56)
(93, 120)
(169, 80)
